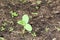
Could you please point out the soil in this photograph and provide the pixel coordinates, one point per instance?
(48, 17)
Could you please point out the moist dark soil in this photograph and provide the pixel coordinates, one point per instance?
(48, 17)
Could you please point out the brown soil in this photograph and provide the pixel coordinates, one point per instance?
(48, 17)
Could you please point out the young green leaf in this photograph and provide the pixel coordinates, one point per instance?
(21, 22)
(14, 14)
(28, 27)
(25, 18)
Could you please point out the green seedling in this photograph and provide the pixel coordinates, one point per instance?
(24, 23)
(28, 27)
(1, 38)
(25, 18)
(14, 14)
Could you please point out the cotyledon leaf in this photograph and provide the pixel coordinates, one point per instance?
(28, 27)
(25, 18)
(21, 22)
